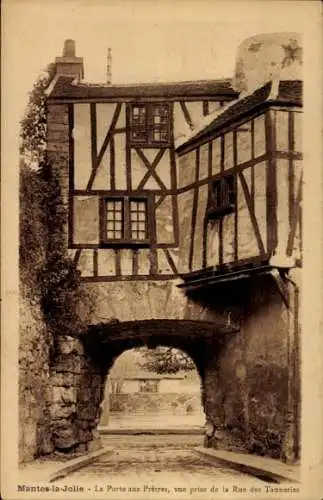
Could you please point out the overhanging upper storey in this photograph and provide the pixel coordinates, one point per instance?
(240, 183)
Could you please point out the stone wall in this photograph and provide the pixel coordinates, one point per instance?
(34, 383)
(246, 380)
(78, 387)
(154, 403)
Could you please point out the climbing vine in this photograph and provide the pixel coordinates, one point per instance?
(47, 273)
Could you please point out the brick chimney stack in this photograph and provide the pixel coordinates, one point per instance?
(69, 64)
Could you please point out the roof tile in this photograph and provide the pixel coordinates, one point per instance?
(66, 89)
(287, 93)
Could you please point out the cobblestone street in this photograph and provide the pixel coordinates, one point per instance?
(157, 461)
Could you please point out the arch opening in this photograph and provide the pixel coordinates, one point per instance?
(152, 389)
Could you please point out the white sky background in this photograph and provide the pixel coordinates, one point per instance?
(150, 40)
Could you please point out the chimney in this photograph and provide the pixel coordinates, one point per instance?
(69, 64)
(109, 67)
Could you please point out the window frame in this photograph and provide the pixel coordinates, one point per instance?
(126, 240)
(226, 195)
(150, 125)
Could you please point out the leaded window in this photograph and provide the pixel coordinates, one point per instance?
(125, 220)
(150, 124)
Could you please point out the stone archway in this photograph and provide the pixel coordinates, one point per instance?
(81, 366)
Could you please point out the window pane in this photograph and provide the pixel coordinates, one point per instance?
(217, 194)
(163, 135)
(138, 206)
(114, 220)
(138, 219)
(139, 132)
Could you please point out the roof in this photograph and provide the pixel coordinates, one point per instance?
(283, 92)
(141, 374)
(66, 88)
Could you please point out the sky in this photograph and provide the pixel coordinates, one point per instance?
(150, 40)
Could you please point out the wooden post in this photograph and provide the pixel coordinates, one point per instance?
(291, 450)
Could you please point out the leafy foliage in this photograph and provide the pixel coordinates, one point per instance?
(48, 274)
(33, 124)
(32, 228)
(166, 360)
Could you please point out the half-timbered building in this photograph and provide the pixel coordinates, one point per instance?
(183, 215)
(123, 178)
(242, 211)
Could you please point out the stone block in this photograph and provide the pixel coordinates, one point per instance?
(86, 412)
(30, 439)
(94, 445)
(83, 424)
(57, 113)
(47, 445)
(63, 423)
(57, 135)
(59, 127)
(65, 438)
(57, 146)
(81, 448)
(69, 345)
(86, 395)
(63, 379)
(70, 363)
(64, 394)
(65, 410)
(84, 435)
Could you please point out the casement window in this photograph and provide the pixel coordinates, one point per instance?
(222, 196)
(125, 220)
(150, 124)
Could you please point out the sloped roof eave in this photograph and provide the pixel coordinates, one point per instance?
(66, 89)
(227, 115)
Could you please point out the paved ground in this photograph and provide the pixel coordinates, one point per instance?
(154, 441)
(143, 462)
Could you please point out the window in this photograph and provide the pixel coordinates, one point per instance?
(222, 196)
(114, 219)
(148, 385)
(138, 220)
(125, 220)
(150, 124)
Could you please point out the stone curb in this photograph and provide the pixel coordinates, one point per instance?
(77, 463)
(154, 432)
(263, 468)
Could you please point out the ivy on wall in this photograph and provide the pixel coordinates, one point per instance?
(47, 273)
